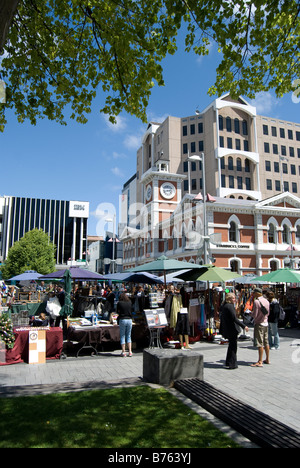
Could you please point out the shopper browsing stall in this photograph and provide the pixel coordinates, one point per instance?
(125, 323)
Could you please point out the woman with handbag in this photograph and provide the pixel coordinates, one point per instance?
(125, 322)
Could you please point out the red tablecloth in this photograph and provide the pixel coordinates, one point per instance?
(19, 353)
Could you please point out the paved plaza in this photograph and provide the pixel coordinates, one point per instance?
(272, 389)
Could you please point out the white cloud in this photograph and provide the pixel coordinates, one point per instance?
(132, 141)
(117, 127)
(117, 172)
(264, 102)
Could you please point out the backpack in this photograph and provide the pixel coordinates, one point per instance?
(281, 313)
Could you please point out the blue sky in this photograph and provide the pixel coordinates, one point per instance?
(91, 162)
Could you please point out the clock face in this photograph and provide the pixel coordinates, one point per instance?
(148, 192)
(167, 190)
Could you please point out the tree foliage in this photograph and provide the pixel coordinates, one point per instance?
(61, 53)
(34, 251)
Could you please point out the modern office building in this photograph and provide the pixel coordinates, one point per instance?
(252, 168)
(64, 221)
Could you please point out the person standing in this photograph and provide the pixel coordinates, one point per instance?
(273, 318)
(260, 312)
(230, 328)
(125, 322)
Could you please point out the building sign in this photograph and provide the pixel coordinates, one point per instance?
(233, 246)
(79, 209)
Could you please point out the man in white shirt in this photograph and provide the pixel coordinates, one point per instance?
(260, 312)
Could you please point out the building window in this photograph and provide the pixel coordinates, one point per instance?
(272, 234)
(234, 266)
(236, 125)
(274, 131)
(268, 166)
(240, 182)
(223, 163)
(284, 168)
(290, 134)
(269, 184)
(265, 130)
(283, 150)
(185, 148)
(221, 124)
(184, 130)
(294, 187)
(247, 165)
(233, 232)
(201, 145)
(245, 127)
(228, 124)
(221, 142)
(229, 143)
(223, 180)
(185, 166)
(266, 147)
(231, 181)
(193, 147)
(293, 169)
(194, 184)
(185, 185)
(292, 152)
(275, 148)
(286, 186)
(192, 129)
(248, 183)
(237, 144)
(230, 163)
(298, 235)
(239, 164)
(277, 186)
(285, 234)
(246, 145)
(276, 166)
(200, 127)
(282, 133)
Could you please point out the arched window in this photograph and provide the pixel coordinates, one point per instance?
(298, 235)
(272, 234)
(234, 266)
(230, 163)
(233, 232)
(273, 265)
(238, 164)
(286, 234)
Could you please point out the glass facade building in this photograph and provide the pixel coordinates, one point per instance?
(64, 221)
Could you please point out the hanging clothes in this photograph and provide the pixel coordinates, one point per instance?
(194, 309)
(175, 308)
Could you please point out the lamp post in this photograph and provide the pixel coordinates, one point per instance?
(196, 157)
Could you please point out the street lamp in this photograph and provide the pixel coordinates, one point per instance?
(196, 157)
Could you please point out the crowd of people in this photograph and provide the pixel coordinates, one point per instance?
(236, 312)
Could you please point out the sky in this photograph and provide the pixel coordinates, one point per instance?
(91, 162)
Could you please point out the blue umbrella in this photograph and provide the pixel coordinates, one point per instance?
(29, 275)
(142, 277)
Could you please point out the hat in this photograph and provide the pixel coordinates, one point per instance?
(257, 290)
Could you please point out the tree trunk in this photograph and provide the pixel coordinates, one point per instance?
(7, 11)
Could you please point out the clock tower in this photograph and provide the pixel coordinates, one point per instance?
(162, 193)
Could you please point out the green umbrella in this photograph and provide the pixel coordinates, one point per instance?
(164, 264)
(283, 275)
(67, 308)
(209, 273)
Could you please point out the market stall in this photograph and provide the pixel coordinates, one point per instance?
(20, 351)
